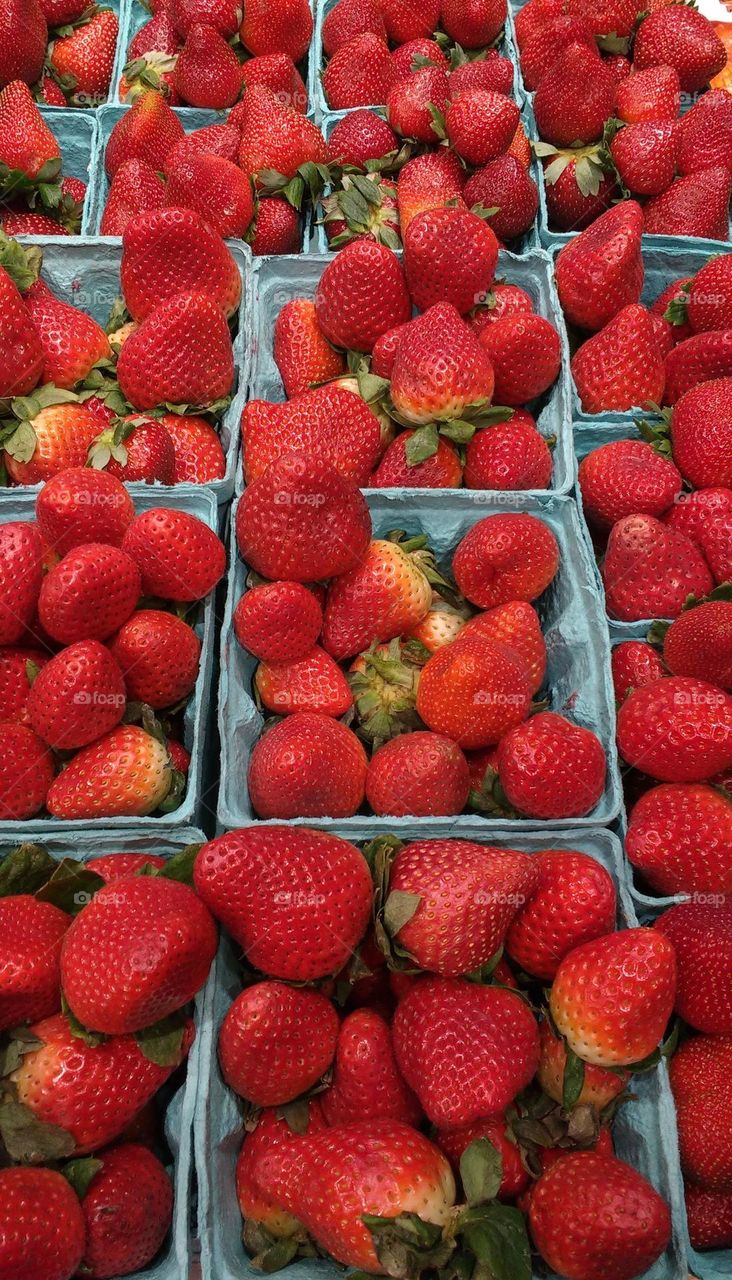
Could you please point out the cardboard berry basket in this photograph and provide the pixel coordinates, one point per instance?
(644, 1130)
(85, 272)
(279, 280)
(198, 501)
(76, 133)
(173, 1261)
(505, 45)
(119, 7)
(578, 670)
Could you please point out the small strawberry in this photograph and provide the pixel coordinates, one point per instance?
(634, 663)
(697, 205)
(404, 466)
(599, 1085)
(180, 354)
(649, 94)
(18, 222)
(158, 654)
(491, 71)
(575, 98)
(525, 352)
(418, 774)
(276, 228)
(21, 574)
(450, 255)
(349, 19)
(505, 557)
(411, 102)
(23, 40)
(516, 626)
(366, 1082)
(701, 935)
(671, 305)
(217, 189)
(128, 1208)
(213, 140)
(330, 422)
(700, 1075)
(26, 772)
(135, 189)
(474, 691)
(701, 358)
(79, 505)
(21, 361)
(699, 643)
(198, 454)
(359, 74)
(38, 1205)
(126, 773)
(276, 1042)
(159, 263)
(624, 478)
(440, 369)
(644, 155)
(361, 294)
(680, 838)
(26, 142)
(502, 300)
(89, 593)
(505, 185)
(682, 38)
(149, 131)
(207, 71)
(312, 683)
(178, 555)
(430, 181)
(286, 26)
(601, 271)
(676, 730)
(573, 902)
(387, 593)
(85, 58)
(551, 768)
(361, 136)
(278, 621)
(302, 354)
(650, 568)
(77, 697)
(480, 125)
(30, 973)
(473, 23)
(158, 35)
(621, 366)
(307, 766)
(136, 450)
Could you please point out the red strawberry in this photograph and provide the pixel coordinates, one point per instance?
(86, 57)
(473, 23)
(159, 35)
(179, 557)
(78, 696)
(454, 1142)
(649, 569)
(127, 773)
(360, 295)
(701, 358)
(26, 142)
(545, 44)
(440, 370)
(16, 222)
(21, 569)
(149, 131)
(359, 74)
(170, 252)
(645, 156)
(158, 654)
(699, 643)
(366, 1083)
(135, 189)
(349, 19)
(80, 505)
(634, 663)
(493, 1048)
(26, 772)
(277, 228)
(112, 866)
(601, 271)
(213, 140)
(278, 621)
(474, 691)
(505, 557)
(23, 40)
(701, 1077)
(599, 1086)
(573, 903)
(51, 93)
(626, 477)
(256, 881)
(422, 774)
(127, 1208)
(607, 16)
(502, 300)
(533, 16)
(89, 594)
(525, 353)
(61, 434)
(509, 455)
(17, 668)
(701, 439)
(361, 136)
(621, 366)
(716, 544)
(275, 136)
(38, 1205)
(681, 38)
(450, 256)
(408, 19)
(312, 683)
(72, 341)
(223, 15)
(705, 134)
(277, 71)
(21, 362)
(677, 729)
(30, 977)
(709, 303)
(136, 451)
(591, 1214)
(551, 768)
(515, 625)
(439, 470)
(480, 125)
(671, 306)
(217, 189)
(207, 71)
(697, 205)
(505, 184)
(198, 455)
(330, 422)
(387, 593)
(577, 189)
(180, 354)
(575, 98)
(430, 181)
(650, 94)
(701, 935)
(302, 354)
(276, 1042)
(286, 27)
(307, 766)
(410, 103)
(709, 1217)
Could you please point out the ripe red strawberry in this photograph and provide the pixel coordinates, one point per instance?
(78, 696)
(198, 457)
(677, 729)
(170, 252)
(72, 341)
(26, 142)
(474, 691)
(80, 505)
(626, 477)
(576, 187)
(307, 766)
(440, 370)
(450, 255)
(385, 349)
(551, 768)
(515, 625)
(359, 74)
(112, 866)
(505, 557)
(700, 358)
(601, 271)
(135, 189)
(480, 125)
(514, 1177)
(410, 101)
(525, 352)
(180, 354)
(286, 27)
(407, 20)
(634, 663)
(575, 98)
(697, 205)
(271, 1136)
(489, 71)
(533, 16)
(701, 437)
(387, 593)
(430, 181)
(599, 1086)
(331, 422)
(348, 19)
(473, 23)
(312, 683)
(136, 451)
(278, 621)
(62, 435)
(149, 131)
(671, 306)
(709, 303)
(360, 295)
(683, 39)
(207, 71)
(86, 57)
(701, 1077)
(217, 190)
(699, 643)
(30, 982)
(21, 363)
(276, 1042)
(502, 300)
(320, 529)
(439, 470)
(26, 772)
(366, 1082)
(621, 366)
(17, 667)
(708, 1217)
(546, 43)
(179, 557)
(127, 773)
(115, 977)
(256, 881)
(59, 1079)
(17, 222)
(158, 654)
(302, 354)
(505, 185)
(213, 140)
(650, 568)
(361, 136)
(127, 1208)
(716, 545)
(705, 134)
(508, 455)
(277, 228)
(23, 39)
(573, 902)
(223, 15)
(701, 935)
(649, 94)
(645, 156)
(591, 1214)
(51, 93)
(420, 774)
(21, 569)
(89, 594)
(158, 35)
(39, 1205)
(493, 1053)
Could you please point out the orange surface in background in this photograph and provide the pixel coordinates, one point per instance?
(724, 79)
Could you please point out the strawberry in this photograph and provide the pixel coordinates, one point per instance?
(72, 341)
(312, 683)
(644, 155)
(492, 71)
(158, 35)
(283, 27)
(302, 354)
(17, 222)
(430, 181)
(387, 593)
(480, 125)
(515, 625)
(593, 1215)
(257, 880)
(409, 19)
(136, 451)
(79, 505)
(622, 365)
(159, 263)
(77, 697)
(716, 544)
(551, 768)
(207, 71)
(700, 1079)
(17, 668)
(505, 557)
(701, 935)
(277, 228)
(701, 435)
(270, 1134)
(575, 98)
(21, 571)
(607, 16)
(450, 256)
(158, 655)
(276, 1042)
(222, 15)
(135, 189)
(59, 1077)
(705, 134)
(577, 189)
(360, 295)
(126, 773)
(650, 94)
(128, 1208)
(51, 93)
(493, 1048)
(30, 974)
(474, 691)
(366, 1082)
(697, 205)
(85, 58)
(113, 866)
(709, 304)
(708, 1217)
(213, 140)
(302, 520)
(683, 38)
(454, 1142)
(650, 568)
(601, 271)
(534, 15)
(420, 774)
(473, 23)
(634, 663)
(502, 300)
(330, 422)
(40, 1207)
(701, 358)
(277, 71)
(149, 131)
(89, 593)
(599, 1086)
(505, 184)
(671, 305)
(361, 136)
(180, 354)
(26, 773)
(138, 952)
(23, 40)
(360, 73)
(573, 902)
(440, 370)
(349, 19)
(198, 457)
(677, 730)
(699, 643)
(625, 477)
(545, 45)
(411, 101)
(179, 557)
(21, 362)
(26, 142)
(278, 621)
(439, 470)
(385, 348)
(215, 188)
(275, 136)
(525, 353)
(308, 766)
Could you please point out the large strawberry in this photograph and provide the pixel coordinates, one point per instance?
(277, 71)
(699, 643)
(360, 73)
(331, 422)
(709, 303)
(551, 768)
(505, 185)
(429, 181)
(348, 19)
(601, 271)
(705, 134)
(360, 295)
(650, 568)
(173, 251)
(207, 71)
(89, 593)
(198, 453)
(312, 683)
(77, 696)
(26, 142)
(286, 26)
(623, 365)
(575, 98)
(217, 189)
(505, 557)
(30, 982)
(677, 730)
(149, 131)
(384, 595)
(81, 505)
(450, 255)
(72, 341)
(480, 125)
(650, 94)
(42, 1230)
(626, 477)
(302, 354)
(573, 901)
(84, 59)
(422, 774)
(367, 1084)
(23, 40)
(180, 354)
(307, 766)
(701, 1080)
(179, 556)
(158, 655)
(440, 369)
(680, 838)
(51, 436)
(526, 355)
(474, 691)
(276, 137)
(127, 1207)
(473, 23)
(683, 38)
(127, 773)
(276, 1042)
(296, 901)
(21, 572)
(701, 935)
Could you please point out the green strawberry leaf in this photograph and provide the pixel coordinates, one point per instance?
(162, 1042)
(422, 444)
(496, 1235)
(438, 121)
(21, 445)
(23, 265)
(180, 867)
(91, 1038)
(399, 909)
(481, 1171)
(71, 887)
(29, 1140)
(573, 1080)
(657, 633)
(25, 870)
(81, 1173)
(15, 1045)
(275, 1256)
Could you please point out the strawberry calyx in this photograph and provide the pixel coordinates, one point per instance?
(657, 432)
(149, 72)
(269, 1253)
(17, 435)
(44, 189)
(360, 204)
(22, 264)
(80, 1173)
(26, 1139)
(384, 683)
(26, 869)
(310, 179)
(590, 164)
